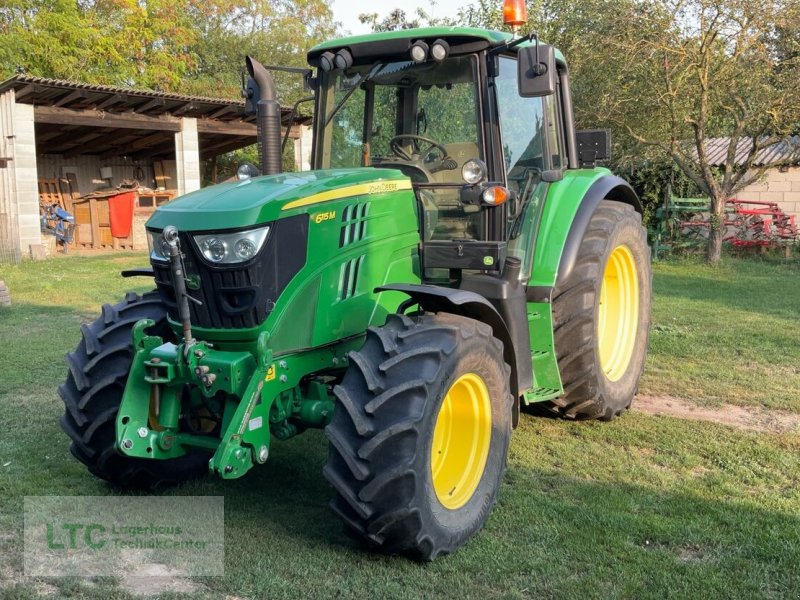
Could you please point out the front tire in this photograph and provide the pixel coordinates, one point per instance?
(601, 315)
(92, 393)
(419, 438)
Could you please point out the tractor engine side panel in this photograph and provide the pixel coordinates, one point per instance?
(354, 245)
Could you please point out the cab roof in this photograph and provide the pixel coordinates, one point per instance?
(397, 44)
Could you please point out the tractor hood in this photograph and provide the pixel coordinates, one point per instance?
(263, 199)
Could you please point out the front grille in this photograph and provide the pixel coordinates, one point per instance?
(239, 296)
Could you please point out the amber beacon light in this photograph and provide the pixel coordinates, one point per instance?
(514, 13)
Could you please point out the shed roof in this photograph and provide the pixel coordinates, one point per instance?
(62, 107)
(784, 152)
(73, 94)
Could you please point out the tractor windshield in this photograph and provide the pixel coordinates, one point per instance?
(419, 118)
(403, 115)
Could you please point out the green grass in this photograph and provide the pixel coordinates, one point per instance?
(642, 507)
(726, 334)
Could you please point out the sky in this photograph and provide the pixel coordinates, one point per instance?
(347, 11)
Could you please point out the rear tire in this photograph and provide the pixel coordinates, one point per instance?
(404, 483)
(92, 393)
(600, 368)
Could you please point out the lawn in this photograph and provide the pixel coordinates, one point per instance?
(729, 334)
(642, 507)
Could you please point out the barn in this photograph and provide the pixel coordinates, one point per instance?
(75, 143)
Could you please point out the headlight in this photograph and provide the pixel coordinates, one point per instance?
(228, 248)
(440, 50)
(159, 248)
(473, 171)
(246, 171)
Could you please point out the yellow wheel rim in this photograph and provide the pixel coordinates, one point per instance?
(618, 313)
(461, 441)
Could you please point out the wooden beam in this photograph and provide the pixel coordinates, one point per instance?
(226, 127)
(222, 111)
(94, 118)
(183, 109)
(151, 140)
(92, 135)
(224, 142)
(24, 92)
(148, 105)
(85, 147)
(119, 147)
(74, 95)
(48, 135)
(65, 136)
(165, 149)
(239, 128)
(228, 145)
(112, 100)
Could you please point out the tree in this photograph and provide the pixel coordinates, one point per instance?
(397, 19)
(580, 29)
(277, 33)
(671, 75)
(187, 46)
(114, 42)
(703, 69)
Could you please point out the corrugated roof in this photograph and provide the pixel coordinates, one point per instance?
(143, 93)
(61, 109)
(784, 152)
(42, 91)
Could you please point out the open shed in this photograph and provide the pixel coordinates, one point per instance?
(94, 137)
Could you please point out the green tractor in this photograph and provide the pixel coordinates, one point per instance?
(453, 256)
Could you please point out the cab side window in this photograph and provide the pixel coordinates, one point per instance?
(522, 128)
(555, 138)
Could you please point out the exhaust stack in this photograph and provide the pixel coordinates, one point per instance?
(261, 101)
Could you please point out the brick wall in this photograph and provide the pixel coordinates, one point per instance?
(777, 186)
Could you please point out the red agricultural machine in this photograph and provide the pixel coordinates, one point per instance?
(685, 223)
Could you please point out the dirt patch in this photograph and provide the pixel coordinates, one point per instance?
(150, 580)
(43, 589)
(741, 417)
(690, 553)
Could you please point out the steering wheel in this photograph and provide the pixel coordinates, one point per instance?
(401, 152)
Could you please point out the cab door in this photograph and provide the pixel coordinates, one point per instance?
(532, 142)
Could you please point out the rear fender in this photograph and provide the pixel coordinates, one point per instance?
(569, 208)
(609, 187)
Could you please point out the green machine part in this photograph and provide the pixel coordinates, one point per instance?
(270, 380)
(562, 201)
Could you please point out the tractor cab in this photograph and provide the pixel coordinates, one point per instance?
(478, 133)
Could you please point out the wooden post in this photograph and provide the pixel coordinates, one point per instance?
(95, 222)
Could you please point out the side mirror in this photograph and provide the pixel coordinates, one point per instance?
(536, 73)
